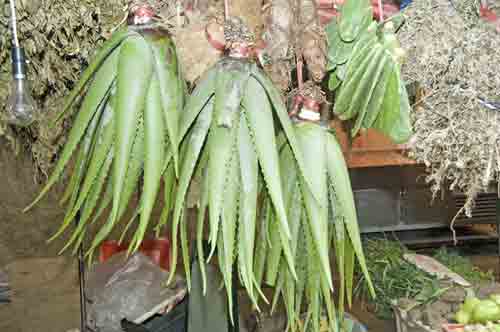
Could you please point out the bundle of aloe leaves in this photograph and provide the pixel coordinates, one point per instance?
(128, 99)
(276, 199)
(364, 64)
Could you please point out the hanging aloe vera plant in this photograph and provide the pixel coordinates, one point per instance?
(231, 146)
(128, 102)
(364, 64)
(321, 216)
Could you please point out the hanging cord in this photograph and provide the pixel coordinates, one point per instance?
(14, 23)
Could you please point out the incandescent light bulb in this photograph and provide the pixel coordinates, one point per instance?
(21, 109)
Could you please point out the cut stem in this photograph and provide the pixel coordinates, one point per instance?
(226, 9)
(381, 11)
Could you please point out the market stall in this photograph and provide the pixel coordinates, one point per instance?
(220, 163)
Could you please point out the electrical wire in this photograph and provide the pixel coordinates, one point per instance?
(14, 23)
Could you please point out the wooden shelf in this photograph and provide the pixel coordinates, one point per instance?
(370, 149)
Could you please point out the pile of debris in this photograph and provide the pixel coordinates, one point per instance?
(453, 57)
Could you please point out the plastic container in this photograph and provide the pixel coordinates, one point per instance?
(157, 249)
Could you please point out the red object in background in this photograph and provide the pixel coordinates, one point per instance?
(328, 9)
(488, 14)
(157, 249)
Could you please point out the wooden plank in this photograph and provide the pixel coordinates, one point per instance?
(370, 149)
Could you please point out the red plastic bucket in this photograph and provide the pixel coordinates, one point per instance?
(157, 249)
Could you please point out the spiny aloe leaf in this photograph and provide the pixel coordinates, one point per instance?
(350, 86)
(102, 144)
(278, 286)
(193, 145)
(391, 106)
(96, 95)
(377, 99)
(101, 57)
(169, 188)
(135, 166)
(260, 121)
(197, 100)
(262, 243)
(313, 281)
(200, 221)
(90, 202)
(281, 112)
(229, 218)
(154, 150)
(352, 16)
(339, 177)
(135, 68)
(401, 132)
(229, 88)
(312, 139)
(165, 60)
(365, 92)
(274, 254)
(219, 142)
(349, 260)
(339, 241)
(185, 251)
(249, 173)
(332, 36)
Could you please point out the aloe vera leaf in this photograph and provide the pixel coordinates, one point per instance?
(282, 113)
(313, 280)
(229, 89)
(127, 227)
(154, 150)
(274, 252)
(360, 52)
(197, 100)
(365, 92)
(103, 141)
(107, 197)
(353, 83)
(193, 145)
(352, 16)
(135, 68)
(249, 172)
(339, 177)
(278, 286)
(334, 81)
(185, 250)
(312, 139)
(332, 38)
(289, 299)
(349, 261)
(391, 105)
(401, 131)
(105, 52)
(169, 188)
(375, 105)
(338, 239)
(329, 305)
(96, 95)
(302, 261)
(229, 219)
(90, 202)
(81, 158)
(165, 65)
(262, 243)
(260, 121)
(219, 142)
(135, 167)
(200, 221)
(86, 149)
